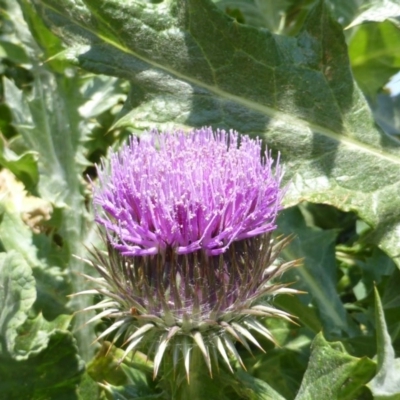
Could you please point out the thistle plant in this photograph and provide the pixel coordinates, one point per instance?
(187, 219)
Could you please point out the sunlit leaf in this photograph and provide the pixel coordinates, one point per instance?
(378, 11)
(334, 374)
(374, 54)
(386, 383)
(17, 295)
(34, 335)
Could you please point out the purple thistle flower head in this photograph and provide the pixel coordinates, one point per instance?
(187, 191)
(187, 220)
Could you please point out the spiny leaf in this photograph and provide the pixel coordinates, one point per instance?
(17, 296)
(386, 383)
(334, 374)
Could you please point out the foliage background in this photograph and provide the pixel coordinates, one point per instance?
(307, 76)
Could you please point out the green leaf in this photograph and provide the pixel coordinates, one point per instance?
(49, 121)
(39, 34)
(36, 119)
(374, 53)
(282, 369)
(136, 388)
(54, 373)
(88, 389)
(17, 294)
(13, 52)
(100, 94)
(23, 166)
(252, 388)
(14, 233)
(191, 65)
(318, 274)
(386, 383)
(105, 366)
(378, 11)
(34, 335)
(265, 13)
(386, 108)
(131, 379)
(333, 374)
(296, 307)
(51, 281)
(371, 275)
(391, 296)
(346, 10)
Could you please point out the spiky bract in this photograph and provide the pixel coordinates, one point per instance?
(191, 299)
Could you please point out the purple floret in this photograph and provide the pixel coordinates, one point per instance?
(186, 192)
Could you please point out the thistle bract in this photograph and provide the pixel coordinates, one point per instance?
(187, 219)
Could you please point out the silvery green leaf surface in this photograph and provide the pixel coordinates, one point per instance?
(17, 295)
(378, 11)
(35, 118)
(189, 65)
(386, 382)
(34, 336)
(50, 124)
(334, 374)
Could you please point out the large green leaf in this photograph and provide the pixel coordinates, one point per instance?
(53, 133)
(36, 118)
(333, 374)
(53, 373)
(192, 65)
(50, 124)
(24, 278)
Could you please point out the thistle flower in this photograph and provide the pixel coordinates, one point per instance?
(187, 219)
